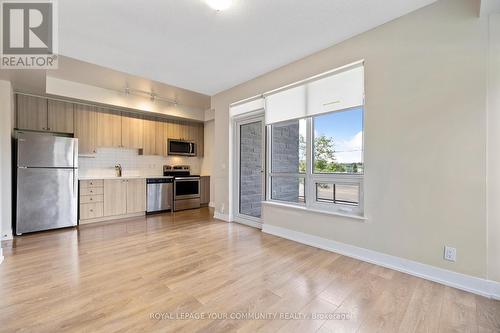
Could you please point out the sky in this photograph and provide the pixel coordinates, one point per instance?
(346, 128)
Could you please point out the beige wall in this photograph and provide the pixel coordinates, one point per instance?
(6, 111)
(493, 150)
(425, 137)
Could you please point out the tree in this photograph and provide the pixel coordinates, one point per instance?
(324, 154)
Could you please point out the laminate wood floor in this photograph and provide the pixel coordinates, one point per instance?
(186, 272)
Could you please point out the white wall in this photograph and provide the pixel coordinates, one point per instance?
(494, 149)
(6, 112)
(104, 161)
(425, 138)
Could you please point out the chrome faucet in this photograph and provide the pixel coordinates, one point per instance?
(118, 169)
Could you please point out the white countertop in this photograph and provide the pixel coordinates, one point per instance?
(123, 177)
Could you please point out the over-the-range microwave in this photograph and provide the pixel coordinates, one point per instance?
(181, 147)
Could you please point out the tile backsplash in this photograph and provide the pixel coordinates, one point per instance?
(102, 164)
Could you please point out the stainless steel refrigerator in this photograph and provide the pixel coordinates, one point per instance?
(46, 182)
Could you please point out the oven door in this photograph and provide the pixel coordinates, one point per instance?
(186, 188)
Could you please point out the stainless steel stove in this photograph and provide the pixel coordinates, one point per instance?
(186, 186)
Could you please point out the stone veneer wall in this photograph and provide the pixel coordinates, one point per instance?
(285, 158)
(250, 169)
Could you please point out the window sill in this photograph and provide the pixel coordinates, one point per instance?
(312, 210)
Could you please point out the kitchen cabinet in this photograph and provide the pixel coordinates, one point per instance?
(109, 199)
(41, 114)
(115, 197)
(86, 129)
(109, 128)
(173, 129)
(31, 113)
(132, 131)
(91, 200)
(149, 147)
(161, 138)
(205, 190)
(97, 127)
(136, 195)
(60, 116)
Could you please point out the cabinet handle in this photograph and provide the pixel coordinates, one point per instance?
(91, 199)
(91, 210)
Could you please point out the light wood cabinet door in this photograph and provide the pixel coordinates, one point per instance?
(132, 131)
(205, 190)
(115, 197)
(136, 196)
(86, 129)
(31, 113)
(173, 130)
(161, 138)
(149, 136)
(184, 131)
(60, 116)
(192, 131)
(109, 128)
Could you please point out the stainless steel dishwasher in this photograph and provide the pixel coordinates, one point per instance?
(160, 194)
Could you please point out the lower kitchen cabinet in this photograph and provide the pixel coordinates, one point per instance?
(109, 199)
(204, 190)
(91, 200)
(115, 197)
(136, 195)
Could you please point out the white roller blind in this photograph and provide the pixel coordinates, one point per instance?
(337, 91)
(285, 105)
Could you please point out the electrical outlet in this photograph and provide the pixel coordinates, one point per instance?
(450, 253)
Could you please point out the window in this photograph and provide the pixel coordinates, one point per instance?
(338, 142)
(318, 161)
(315, 142)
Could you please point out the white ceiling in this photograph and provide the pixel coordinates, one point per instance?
(187, 44)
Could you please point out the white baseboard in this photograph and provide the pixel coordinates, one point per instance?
(464, 282)
(7, 236)
(223, 217)
(1, 256)
(211, 204)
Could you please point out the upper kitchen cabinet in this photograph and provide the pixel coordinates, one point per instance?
(149, 125)
(109, 128)
(60, 116)
(31, 113)
(173, 130)
(132, 131)
(86, 128)
(161, 137)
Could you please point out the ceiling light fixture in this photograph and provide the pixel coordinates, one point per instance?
(153, 97)
(219, 5)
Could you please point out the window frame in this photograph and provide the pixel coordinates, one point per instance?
(311, 179)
